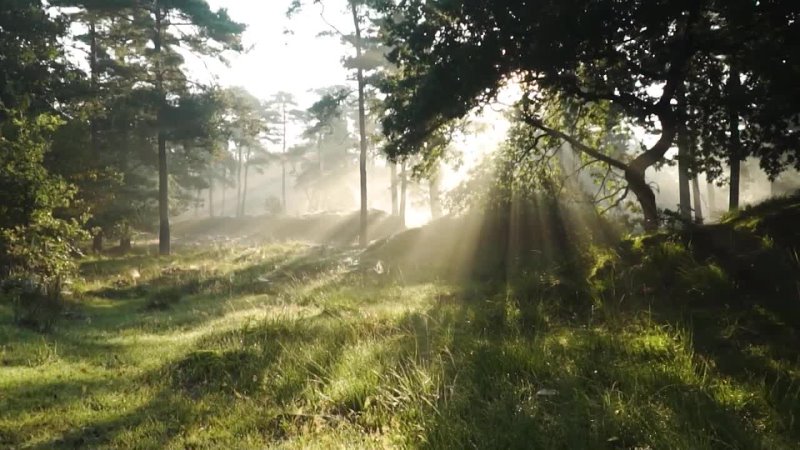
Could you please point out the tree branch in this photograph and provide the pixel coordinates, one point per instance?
(576, 144)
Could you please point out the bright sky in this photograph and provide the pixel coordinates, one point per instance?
(277, 61)
(300, 61)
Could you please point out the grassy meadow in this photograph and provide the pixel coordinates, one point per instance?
(289, 346)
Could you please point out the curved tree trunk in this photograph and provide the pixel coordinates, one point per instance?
(646, 197)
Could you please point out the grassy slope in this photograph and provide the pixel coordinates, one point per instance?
(287, 347)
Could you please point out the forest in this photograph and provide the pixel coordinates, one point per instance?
(416, 224)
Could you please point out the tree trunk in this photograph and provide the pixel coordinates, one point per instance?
(362, 131)
(712, 199)
(635, 170)
(224, 189)
(239, 181)
(163, 179)
(244, 191)
(698, 205)
(283, 163)
(435, 198)
(735, 144)
(211, 195)
(395, 206)
(125, 244)
(683, 183)
(685, 205)
(646, 197)
(403, 190)
(93, 71)
(97, 242)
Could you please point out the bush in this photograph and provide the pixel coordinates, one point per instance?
(37, 247)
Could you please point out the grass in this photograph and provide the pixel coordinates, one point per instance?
(288, 346)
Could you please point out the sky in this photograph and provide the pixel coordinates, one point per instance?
(275, 60)
(287, 54)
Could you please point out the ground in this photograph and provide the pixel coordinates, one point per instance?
(291, 346)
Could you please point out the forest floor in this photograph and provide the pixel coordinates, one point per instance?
(290, 346)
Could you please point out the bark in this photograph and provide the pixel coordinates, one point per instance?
(735, 144)
(646, 197)
(635, 171)
(362, 131)
(93, 80)
(712, 198)
(163, 179)
(684, 192)
(698, 205)
(125, 244)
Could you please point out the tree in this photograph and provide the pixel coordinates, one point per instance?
(187, 24)
(633, 56)
(326, 157)
(37, 238)
(245, 128)
(285, 103)
(363, 62)
(153, 35)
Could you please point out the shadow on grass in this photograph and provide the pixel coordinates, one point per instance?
(268, 368)
(571, 386)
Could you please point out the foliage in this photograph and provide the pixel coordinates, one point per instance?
(34, 242)
(37, 247)
(453, 57)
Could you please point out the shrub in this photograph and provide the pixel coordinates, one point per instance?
(37, 248)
